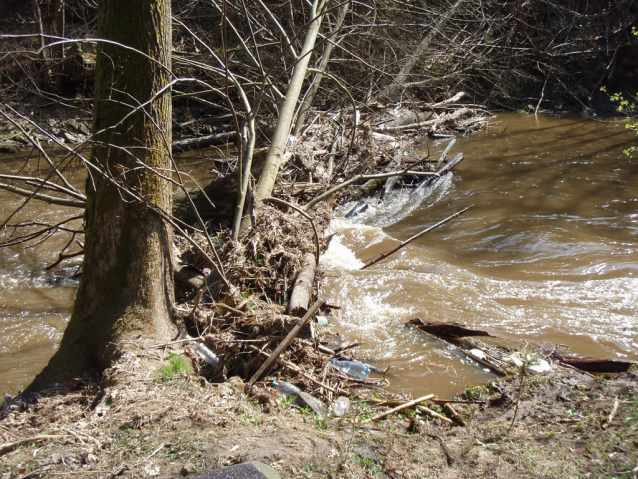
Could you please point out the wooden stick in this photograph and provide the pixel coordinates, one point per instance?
(287, 340)
(435, 414)
(455, 415)
(377, 176)
(418, 235)
(10, 446)
(403, 406)
(612, 414)
(296, 369)
(455, 401)
(495, 369)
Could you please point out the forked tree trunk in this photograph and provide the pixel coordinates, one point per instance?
(126, 288)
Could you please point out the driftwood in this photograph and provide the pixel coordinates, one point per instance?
(435, 414)
(446, 330)
(356, 178)
(10, 446)
(445, 152)
(287, 340)
(204, 141)
(358, 209)
(410, 240)
(598, 365)
(455, 415)
(302, 290)
(444, 118)
(296, 369)
(442, 171)
(492, 367)
(403, 406)
(451, 340)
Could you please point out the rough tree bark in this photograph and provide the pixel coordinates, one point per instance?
(126, 288)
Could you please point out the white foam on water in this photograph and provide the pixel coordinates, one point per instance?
(398, 205)
(340, 257)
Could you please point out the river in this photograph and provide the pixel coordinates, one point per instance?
(547, 255)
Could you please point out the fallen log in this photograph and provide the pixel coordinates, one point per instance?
(200, 142)
(446, 330)
(302, 290)
(598, 365)
(492, 367)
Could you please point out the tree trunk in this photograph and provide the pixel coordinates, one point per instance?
(323, 65)
(282, 129)
(127, 286)
(58, 53)
(408, 66)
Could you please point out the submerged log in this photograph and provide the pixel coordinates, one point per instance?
(358, 209)
(598, 365)
(302, 290)
(446, 330)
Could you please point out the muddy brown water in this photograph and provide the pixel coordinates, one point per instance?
(547, 255)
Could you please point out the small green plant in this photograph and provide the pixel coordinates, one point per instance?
(368, 464)
(473, 393)
(307, 470)
(288, 401)
(178, 365)
(320, 421)
(522, 360)
(627, 107)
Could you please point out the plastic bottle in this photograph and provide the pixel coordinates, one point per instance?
(207, 355)
(287, 390)
(353, 368)
(341, 406)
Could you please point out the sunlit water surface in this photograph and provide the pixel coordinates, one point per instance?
(547, 255)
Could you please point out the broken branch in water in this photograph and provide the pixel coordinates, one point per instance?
(418, 235)
(446, 329)
(379, 176)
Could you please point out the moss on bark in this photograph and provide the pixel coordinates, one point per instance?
(126, 288)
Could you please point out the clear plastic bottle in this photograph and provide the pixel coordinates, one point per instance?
(341, 406)
(207, 355)
(353, 368)
(287, 390)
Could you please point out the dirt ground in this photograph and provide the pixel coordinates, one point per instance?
(152, 415)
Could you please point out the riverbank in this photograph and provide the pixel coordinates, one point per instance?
(147, 418)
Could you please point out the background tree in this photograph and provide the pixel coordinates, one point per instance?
(127, 286)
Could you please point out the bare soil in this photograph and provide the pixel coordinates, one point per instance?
(144, 419)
